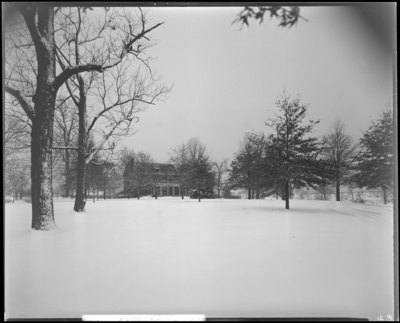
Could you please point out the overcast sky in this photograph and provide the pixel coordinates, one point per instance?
(226, 80)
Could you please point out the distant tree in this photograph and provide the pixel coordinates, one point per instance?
(124, 157)
(339, 150)
(66, 135)
(294, 153)
(287, 15)
(143, 169)
(92, 180)
(375, 162)
(16, 132)
(125, 167)
(220, 168)
(200, 174)
(16, 176)
(180, 158)
(245, 170)
(93, 174)
(107, 174)
(325, 191)
(139, 172)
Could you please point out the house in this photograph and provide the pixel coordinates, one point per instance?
(161, 178)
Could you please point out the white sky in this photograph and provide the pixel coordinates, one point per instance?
(226, 80)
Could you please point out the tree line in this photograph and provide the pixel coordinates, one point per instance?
(289, 157)
(193, 170)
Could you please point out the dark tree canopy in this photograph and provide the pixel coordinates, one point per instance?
(246, 168)
(376, 158)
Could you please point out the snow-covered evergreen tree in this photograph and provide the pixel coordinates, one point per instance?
(293, 153)
(375, 160)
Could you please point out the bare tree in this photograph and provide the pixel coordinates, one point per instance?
(200, 173)
(180, 158)
(325, 191)
(40, 40)
(220, 169)
(16, 134)
(38, 37)
(140, 172)
(120, 93)
(66, 135)
(16, 176)
(339, 150)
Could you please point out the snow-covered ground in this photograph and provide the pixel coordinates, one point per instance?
(221, 258)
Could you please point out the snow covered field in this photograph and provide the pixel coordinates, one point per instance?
(221, 258)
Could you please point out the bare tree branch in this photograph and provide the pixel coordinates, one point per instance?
(22, 101)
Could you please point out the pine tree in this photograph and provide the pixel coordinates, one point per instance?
(293, 154)
(375, 160)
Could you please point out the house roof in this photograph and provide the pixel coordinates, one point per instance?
(163, 167)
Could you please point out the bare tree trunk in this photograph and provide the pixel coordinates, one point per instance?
(249, 194)
(337, 190)
(182, 191)
(138, 193)
(82, 143)
(42, 125)
(287, 195)
(198, 190)
(97, 190)
(384, 196)
(67, 174)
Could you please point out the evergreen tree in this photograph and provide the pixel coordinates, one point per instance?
(375, 160)
(292, 152)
